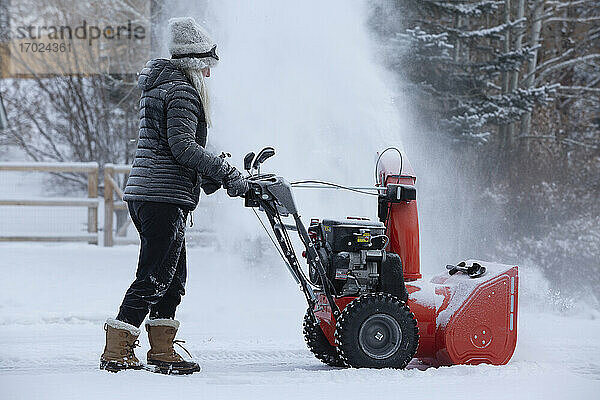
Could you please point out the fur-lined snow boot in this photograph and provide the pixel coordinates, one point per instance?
(162, 354)
(121, 339)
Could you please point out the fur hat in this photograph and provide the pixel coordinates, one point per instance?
(186, 36)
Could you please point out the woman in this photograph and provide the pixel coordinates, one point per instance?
(169, 169)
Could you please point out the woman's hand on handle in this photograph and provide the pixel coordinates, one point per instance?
(235, 183)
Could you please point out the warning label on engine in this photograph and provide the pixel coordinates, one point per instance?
(364, 238)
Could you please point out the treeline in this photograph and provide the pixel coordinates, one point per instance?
(515, 86)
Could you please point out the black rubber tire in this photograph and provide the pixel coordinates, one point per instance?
(373, 311)
(318, 344)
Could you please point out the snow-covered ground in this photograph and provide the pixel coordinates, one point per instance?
(243, 325)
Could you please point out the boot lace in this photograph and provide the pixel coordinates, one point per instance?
(178, 343)
(131, 346)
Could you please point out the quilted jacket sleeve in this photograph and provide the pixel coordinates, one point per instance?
(183, 110)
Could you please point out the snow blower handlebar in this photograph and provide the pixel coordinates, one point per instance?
(273, 195)
(253, 162)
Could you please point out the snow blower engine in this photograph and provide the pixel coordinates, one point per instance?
(368, 305)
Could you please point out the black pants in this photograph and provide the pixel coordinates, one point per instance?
(161, 271)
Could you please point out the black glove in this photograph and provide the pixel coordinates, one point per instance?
(235, 183)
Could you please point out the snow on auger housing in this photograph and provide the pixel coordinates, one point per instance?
(368, 305)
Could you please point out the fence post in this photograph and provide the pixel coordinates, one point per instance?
(109, 206)
(93, 194)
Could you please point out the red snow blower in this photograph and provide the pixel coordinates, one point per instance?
(368, 305)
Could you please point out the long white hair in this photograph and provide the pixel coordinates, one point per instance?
(193, 70)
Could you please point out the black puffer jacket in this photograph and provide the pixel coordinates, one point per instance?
(170, 159)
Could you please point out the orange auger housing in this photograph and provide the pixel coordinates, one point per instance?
(461, 320)
(466, 320)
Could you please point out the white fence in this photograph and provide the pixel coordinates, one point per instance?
(91, 202)
(116, 218)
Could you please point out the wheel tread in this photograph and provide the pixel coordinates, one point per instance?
(317, 343)
(367, 300)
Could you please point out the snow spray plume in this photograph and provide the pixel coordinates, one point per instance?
(458, 217)
(301, 77)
